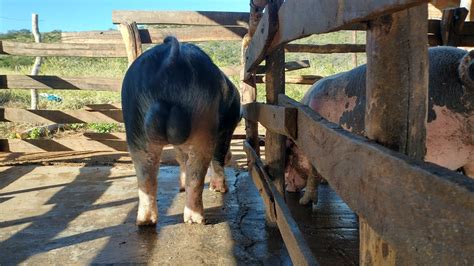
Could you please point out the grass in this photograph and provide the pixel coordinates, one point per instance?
(222, 53)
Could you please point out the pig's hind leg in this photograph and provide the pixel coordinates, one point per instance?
(182, 158)
(147, 167)
(199, 157)
(221, 152)
(311, 191)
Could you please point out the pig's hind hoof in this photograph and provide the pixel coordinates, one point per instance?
(218, 186)
(149, 220)
(309, 197)
(192, 217)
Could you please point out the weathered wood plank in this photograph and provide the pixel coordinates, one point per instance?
(275, 144)
(295, 242)
(289, 66)
(102, 106)
(63, 49)
(417, 207)
(131, 39)
(59, 83)
(265, 32)
(397, 97)
(325, 49)
(451, 25)
(63, 144)
(182, 17)
(60, 116)
(275, 118)
(303, 79)
(187, 34)
(330, 17)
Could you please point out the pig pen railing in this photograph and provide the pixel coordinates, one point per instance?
(411, 212)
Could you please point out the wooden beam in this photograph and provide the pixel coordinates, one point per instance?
(59, 83)
(325, 49)
(289, 66)
(131, 39)
(275, 118)
(62, 144)
(275, 144)
(63, 49)
(330, 17)
(451, 25)
(60, 116)
(418, 207)
(397, 97)
(151, 35)
(294, 241)
(263, 38)
(182, 17)
(303, 79)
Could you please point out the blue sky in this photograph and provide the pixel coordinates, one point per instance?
(84, 15)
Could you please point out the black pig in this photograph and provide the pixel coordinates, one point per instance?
(174, 94)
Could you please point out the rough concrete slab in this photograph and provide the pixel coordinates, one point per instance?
(83, 214)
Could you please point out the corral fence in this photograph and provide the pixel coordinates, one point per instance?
(411, 212)
(129, 42)
(424, 212)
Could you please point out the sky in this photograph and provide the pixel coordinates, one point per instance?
(86, 15)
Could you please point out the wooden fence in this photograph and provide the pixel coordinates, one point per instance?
(424, 212)
(410, 212)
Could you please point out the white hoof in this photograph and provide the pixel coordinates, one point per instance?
(193, 217)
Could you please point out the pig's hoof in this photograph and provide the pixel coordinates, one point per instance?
(309, 197)
(147, 217)
(218, 186)
(193, 217)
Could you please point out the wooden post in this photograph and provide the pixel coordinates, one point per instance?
(275, 144)
(37, 64)
(249, 88)
(396, 109)
(451, 25)
(131, 38)
(354, 41)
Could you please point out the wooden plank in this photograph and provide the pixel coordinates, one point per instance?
(294, 241)
(263, 38)
(330, 17)
(187, 34)
(104, 136)
(373, 250)
(275, 118)
(451, 25)
(131, 39)
(289, 66)
(397, 97)
(275, 144)
(103, 106)
(60, 116)
(63, 144)
(36, 66)
(418, 207)
(325, 49)
(302, 79)
(182, 17)
(397, 82)
(59, 83)
(63, 49)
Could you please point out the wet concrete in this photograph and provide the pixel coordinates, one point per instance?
(66, 214)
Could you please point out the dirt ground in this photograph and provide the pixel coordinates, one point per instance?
(83, 213)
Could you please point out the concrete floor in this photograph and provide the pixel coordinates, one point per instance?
(82, 214)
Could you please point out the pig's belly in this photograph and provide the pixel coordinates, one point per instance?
(449, 139)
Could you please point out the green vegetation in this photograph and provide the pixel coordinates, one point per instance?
(222, 53)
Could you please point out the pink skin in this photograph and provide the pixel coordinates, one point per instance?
(449, 141)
